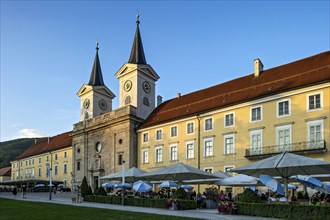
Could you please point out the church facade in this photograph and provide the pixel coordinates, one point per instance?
(104, 138)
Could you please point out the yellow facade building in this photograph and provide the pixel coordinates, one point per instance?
(32, 166)
(232, 124)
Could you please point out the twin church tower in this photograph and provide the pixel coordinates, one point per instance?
(104, 137)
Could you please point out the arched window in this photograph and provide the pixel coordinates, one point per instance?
(86, 115)
(146, 101)
(128, 100)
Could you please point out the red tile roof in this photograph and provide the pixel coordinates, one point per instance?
(55, 143)
(298, 74)
(5, 171)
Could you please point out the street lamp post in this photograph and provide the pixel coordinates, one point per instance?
(49, 168)
(123, 182)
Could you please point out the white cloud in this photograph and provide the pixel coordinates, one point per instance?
(29, 132)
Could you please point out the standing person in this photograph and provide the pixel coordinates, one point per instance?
(222, 196)
(230, 196)
(78, 194)
(54, 190)
(14, 191)
(24, 191)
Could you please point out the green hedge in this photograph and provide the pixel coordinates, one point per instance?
(284, 211)
(152, 203)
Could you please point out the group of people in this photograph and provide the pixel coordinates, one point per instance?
(320, 198)
(14, 191)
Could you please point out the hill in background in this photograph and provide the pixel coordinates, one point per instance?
(9, 150)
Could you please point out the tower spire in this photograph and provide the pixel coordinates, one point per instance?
(137, 52)
(96, 78)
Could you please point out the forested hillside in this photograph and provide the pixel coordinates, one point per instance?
(11, 149)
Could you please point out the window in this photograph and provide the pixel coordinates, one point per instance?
(208, 147)
(146, 101)
(39, 171)
(159, 135)
(208, 124)
(256, 114)
(13, 165)
(32, 161)
(39, 159)
(229, 120)
(120, 159)
(65, 154)
(256, 142)
(174, 152)
(145, 156)
(145, 137)
(128, 100)
(174, 131)
(55, 156)
(229, 143)
(315, 133)
(283, 134)
(190, 128)
(65, 168)
(17, 174)
(227, 170)
(29, 162)
(55, 170)
(78, 165)
(32, 172)
(26, 163)
(314, 101)
(47, 158)
(208, 169)
(47, 171)
(159, 154)
(190, 150)
(21, 163)
(283, 108)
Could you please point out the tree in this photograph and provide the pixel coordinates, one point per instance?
(84, 188)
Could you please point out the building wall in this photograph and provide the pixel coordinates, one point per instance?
(298, 119)
(28, 168)
(115, 132)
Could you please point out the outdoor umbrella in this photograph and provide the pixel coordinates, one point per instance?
(120, 185)
(142, 186)
(217, 176)
(187, 187)
(50, 184)
(285, 165)
(290, 186)
(108, 185)
(313, 183)
(40, 185)
(272, 184)
(239, 180)
(131, 175)
(177, 172)
(167, 184)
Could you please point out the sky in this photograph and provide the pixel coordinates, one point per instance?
(48, 48)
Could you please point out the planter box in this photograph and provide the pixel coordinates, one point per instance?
(210, 204)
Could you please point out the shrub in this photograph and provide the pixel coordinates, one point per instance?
(249, 196)
(66, 190)
(84, 188)
(180, 193)
(100, 191)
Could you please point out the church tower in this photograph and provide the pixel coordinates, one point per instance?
(137, 80)
(95, 97)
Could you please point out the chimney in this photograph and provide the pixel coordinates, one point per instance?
(48, 140)
(35, 140)
(258, 67)
(159, 100)
(178, 95)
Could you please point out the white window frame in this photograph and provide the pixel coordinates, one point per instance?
(254, 107)
(315, 123)
(161, 134)
(39, 159)
(212, 148)
(55, 169)
(193, 127)
(208, 168)
(145, 134)
(280, 128)
(177, 130)
(321, 101)
(225, 146)
(212, 124)
(193, 149)
(252, 133)
(65, 154)
(32, 172)
(173, 146)
(145, 157)
(39, 171)
(159, 160)
(227, 114)
(55, 156)
(225, 168)
(278, 108)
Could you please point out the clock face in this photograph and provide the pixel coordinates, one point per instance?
(86, 103)
(102, 104)
(128, 85)
(146, 86)
(98, 147)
